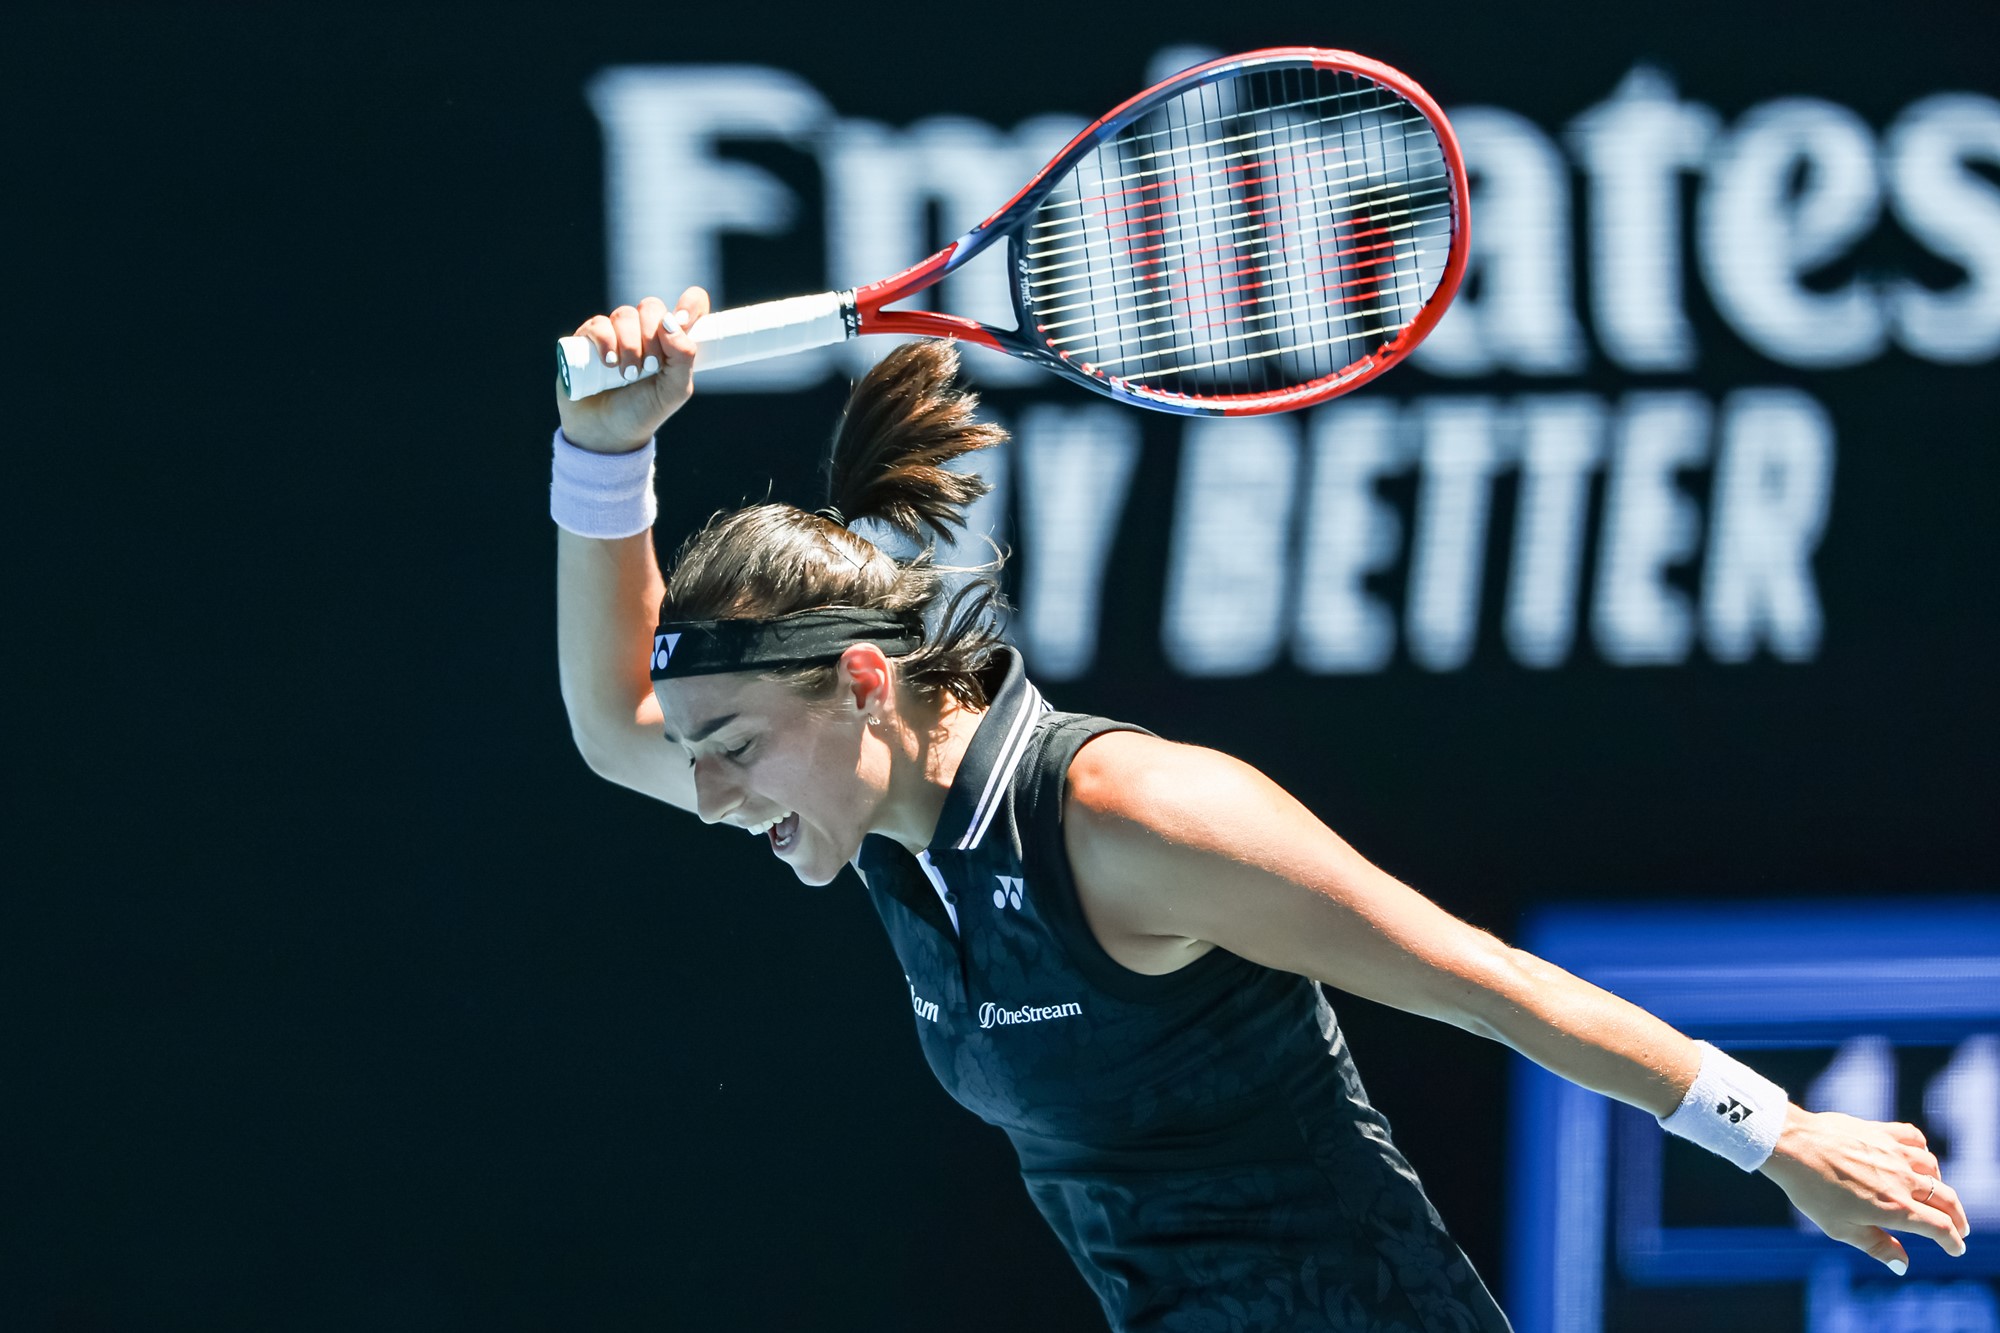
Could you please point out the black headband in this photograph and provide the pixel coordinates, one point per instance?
(710, 647)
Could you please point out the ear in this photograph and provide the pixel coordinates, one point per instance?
(866, 680)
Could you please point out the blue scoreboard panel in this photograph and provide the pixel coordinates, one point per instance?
(1888, 1010)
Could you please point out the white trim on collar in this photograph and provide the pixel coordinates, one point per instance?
(1015, 746)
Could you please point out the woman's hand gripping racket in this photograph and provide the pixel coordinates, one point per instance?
(1255, 234)
(652, 341)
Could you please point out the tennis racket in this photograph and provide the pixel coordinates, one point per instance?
(1255, 234)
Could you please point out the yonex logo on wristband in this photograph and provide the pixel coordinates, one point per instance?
(663, 650)
(1731, 1110)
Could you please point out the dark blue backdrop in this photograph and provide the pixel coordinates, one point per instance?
(346, 997)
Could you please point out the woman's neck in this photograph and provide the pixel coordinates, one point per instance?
(926, 745)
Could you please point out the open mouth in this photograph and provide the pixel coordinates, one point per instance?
(783, 832)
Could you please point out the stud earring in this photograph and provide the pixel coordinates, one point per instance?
(874, 721)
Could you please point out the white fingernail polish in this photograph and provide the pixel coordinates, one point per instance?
(652, 364)
(1898, 1267)
(630, 373)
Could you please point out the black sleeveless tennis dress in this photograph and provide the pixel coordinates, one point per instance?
(1200, 1141)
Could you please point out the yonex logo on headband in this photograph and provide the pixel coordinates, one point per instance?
(663, 650)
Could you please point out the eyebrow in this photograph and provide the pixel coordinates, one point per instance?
(704, 731)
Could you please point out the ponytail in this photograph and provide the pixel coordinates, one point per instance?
(901, 425)
(903, 422)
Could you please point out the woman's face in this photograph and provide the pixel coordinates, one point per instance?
(801, 773)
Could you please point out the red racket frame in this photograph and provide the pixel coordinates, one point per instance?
(869, 302)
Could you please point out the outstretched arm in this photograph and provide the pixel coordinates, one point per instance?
(1172, 841)
(608, 589)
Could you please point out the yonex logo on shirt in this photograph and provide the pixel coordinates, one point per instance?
(992, 1015)
(1009, 891)
(663, 650)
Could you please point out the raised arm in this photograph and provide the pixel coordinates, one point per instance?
(1169, 841)
(608, 588)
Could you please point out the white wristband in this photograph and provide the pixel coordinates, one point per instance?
(602, 495)
(1731, 1110)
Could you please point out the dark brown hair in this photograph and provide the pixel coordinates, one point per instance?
(903, 422)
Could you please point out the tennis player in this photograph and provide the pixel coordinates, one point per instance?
(1113, 943)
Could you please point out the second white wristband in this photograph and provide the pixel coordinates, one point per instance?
(1731, 1110)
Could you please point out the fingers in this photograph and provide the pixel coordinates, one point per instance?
(1940, 1226)
(603, 335)
(1907, 1134)
(617, 339)
(673, 343)
(641, 339)
(674, 340)
(1935, 1206)
(631, 342)
(1941, 1214)
(655, 323)
(1877, 1244)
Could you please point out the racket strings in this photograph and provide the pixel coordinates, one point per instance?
(1048, 244)
(1241, 287)
(1252, 283)
(1253, 226)
(1286, 223)
(1250, 151)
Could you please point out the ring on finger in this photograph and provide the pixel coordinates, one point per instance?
(1932, 1190)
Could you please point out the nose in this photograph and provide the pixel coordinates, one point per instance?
(714, 795)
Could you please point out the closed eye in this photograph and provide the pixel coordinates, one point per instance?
(735, 754)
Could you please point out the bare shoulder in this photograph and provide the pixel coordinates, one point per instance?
(1104, 776)
(1131, 801)
(1177, 850)
(1130, 790)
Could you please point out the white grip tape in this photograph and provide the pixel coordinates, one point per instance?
(1731, 1110)
(724, 338)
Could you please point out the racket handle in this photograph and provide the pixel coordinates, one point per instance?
(724, 338)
